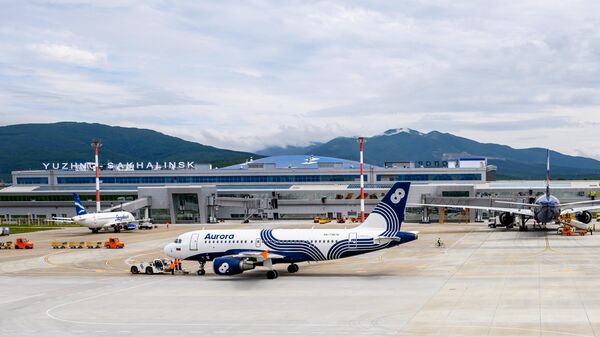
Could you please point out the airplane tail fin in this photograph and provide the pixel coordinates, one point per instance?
(548, 173)
(79, 209)
(388, 215)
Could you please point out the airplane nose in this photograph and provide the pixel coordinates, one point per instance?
(168, 249)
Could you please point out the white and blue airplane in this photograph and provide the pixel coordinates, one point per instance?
(97, 221)
(546, 208)
(237, 250)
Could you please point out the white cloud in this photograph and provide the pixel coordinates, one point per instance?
(69, 54)
(250, 74)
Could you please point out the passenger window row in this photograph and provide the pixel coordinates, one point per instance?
(225, 241)
(246, 241)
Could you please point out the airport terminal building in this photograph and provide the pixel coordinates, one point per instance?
(278, 187)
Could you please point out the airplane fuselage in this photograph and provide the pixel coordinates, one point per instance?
(294, 245)
(547, 209)
(99, 220)
(234, 251)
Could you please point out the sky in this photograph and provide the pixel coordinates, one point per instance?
(245, 75)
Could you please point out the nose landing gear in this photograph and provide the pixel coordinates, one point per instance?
(201, 271)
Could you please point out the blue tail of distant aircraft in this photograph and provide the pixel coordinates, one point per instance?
(388, 215)
(79, 209)
(548, 173)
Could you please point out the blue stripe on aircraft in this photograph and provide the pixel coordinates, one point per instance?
(301, 246)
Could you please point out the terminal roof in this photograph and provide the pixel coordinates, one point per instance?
(297, 162)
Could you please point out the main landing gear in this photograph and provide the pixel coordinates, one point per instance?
(117, 229)
(95, 230)
(273, 274)
(523, 225)
(292, 268)
(201, 271)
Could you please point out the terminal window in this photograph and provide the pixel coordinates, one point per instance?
(211, 179)
(431, 177)
(32, 181)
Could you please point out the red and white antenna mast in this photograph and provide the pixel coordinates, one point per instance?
(96, 145)
(361, 141)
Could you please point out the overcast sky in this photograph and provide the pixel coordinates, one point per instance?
(245, 75)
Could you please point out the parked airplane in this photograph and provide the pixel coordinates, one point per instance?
(237, 250)
(546, 208)
(98, 221)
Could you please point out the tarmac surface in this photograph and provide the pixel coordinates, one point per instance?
(484, 282)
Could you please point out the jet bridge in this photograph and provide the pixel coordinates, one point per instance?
(131, 206)
(193, 204)
(459, 202)
(250, 206)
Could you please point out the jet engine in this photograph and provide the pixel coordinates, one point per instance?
(585, 217)
(231, 265)
(507, 219)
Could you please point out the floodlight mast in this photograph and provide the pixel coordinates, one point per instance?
(96, 145)
(361, 141)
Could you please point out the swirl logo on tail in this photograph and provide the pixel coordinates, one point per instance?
(388, 215)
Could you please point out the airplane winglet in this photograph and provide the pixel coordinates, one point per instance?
(265, 254)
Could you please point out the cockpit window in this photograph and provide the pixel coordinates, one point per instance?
(177, 241)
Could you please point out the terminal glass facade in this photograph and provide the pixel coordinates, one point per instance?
(210, 179)
(186, 207)
(431, 177)
(64, 197)
(32, 181)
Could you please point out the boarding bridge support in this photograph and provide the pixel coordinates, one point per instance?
(425, 213)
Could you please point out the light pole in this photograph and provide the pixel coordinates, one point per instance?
(96, 144)
(361, 141)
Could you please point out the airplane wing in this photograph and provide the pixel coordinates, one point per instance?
(380, 240)
(259, 256)
(574, 210)
(114, 223)
(520, 211)
(385, 239)
(514, 203)
(579, 203)
(61, 220)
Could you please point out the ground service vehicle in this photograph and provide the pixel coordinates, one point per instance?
(76, 245)
(22, 243)
(92, 245)
(145, 225)
(113, 243)
(6, 245)
(59, 245)
(158, 266)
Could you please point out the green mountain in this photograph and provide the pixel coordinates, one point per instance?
(27, 146)
(411, 145)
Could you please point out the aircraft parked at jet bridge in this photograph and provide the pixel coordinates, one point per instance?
(237, 250)
(97, 221)
(546, 209)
